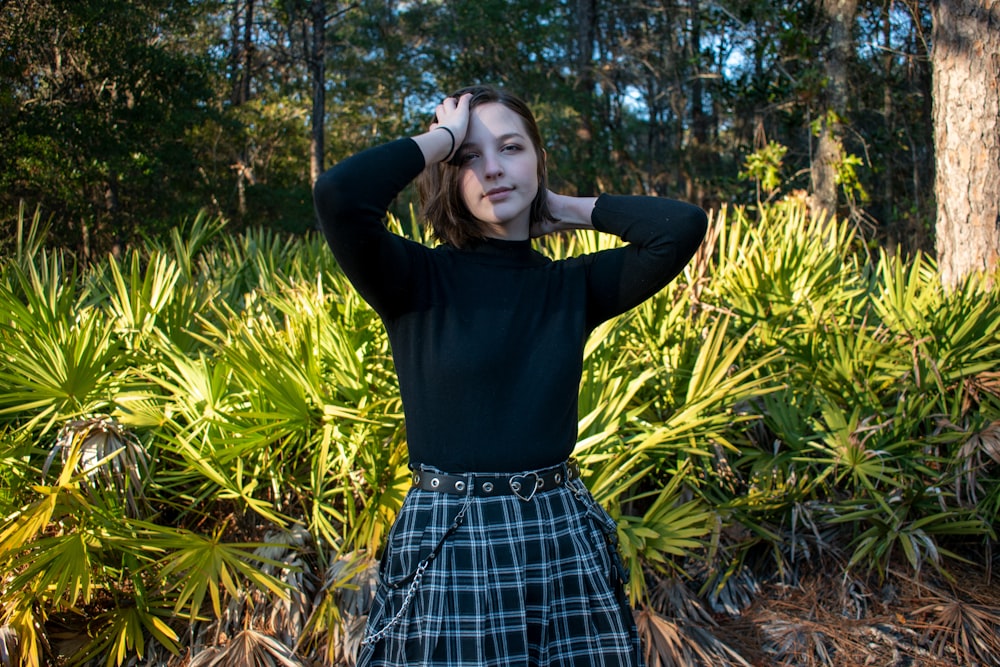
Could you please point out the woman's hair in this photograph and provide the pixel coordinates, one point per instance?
(437, 186)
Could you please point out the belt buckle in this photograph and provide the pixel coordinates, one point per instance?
(517, 485)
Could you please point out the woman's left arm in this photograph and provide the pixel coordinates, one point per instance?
(568, 213)
(662, 235)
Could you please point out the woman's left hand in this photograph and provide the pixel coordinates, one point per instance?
(568, 213)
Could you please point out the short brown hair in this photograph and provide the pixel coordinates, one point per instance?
(437, 186)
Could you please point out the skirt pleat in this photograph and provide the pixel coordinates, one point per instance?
(518, 583)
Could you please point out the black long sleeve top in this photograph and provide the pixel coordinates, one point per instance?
(488, 340)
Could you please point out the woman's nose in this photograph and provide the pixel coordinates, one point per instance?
(491, 165)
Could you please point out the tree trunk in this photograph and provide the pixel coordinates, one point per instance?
(241, 62)
(966, 69)
(839, 16)
(699, 119)
(887, 218)
(241, 55)
(586, 36)
(317, 69)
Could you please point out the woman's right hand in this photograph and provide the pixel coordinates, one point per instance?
(451, 113)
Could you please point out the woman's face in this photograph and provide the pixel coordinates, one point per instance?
(498, 172)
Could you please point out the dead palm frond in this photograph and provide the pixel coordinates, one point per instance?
(10, 653)
(735, 593)
(675, 598)
(978, 387)
(247, 648)
(671, 643)
(284, 618)
(340, 609)
(810, 535)
(855, 597)
(698, 271)
(108, 457)
(971, 630)
(973, 457)
(798, 642)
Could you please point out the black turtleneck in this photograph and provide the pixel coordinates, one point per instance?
(488, 340)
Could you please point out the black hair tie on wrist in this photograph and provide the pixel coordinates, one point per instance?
(450, 134)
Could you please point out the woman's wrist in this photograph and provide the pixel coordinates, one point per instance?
(436, 146)
(572, 212)
(451, 151)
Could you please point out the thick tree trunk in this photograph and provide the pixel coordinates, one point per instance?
(824, 168)
(966, 68)
(840, 16)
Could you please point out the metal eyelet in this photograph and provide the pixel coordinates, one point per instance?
(416, 479)
(488, 487)
(460, 485)
(515, 486)
(435, 482)
(558, 478)
(540, 483)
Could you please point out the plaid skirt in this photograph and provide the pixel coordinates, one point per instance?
(511, 583)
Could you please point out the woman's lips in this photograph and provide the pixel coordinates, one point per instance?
(498, 194)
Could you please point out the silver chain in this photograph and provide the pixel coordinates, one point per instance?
(418, 575)
(411, 592)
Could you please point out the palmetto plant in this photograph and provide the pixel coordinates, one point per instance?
(661, 385)
(202, 443)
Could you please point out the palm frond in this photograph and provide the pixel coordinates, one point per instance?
(57, 569)
(670, 643)
(109, 459)
(669, 528)
(28, 522)
(340, 610)
(247, 648)
(204, 566)
(10, 653)
(971, 630)
(136, 299)
(23, 633)
(673, 598)
(30, 235)
(121, 633)
(973, 457)
(55, 371)
(796, 642)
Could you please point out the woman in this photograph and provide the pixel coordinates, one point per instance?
(499, 555)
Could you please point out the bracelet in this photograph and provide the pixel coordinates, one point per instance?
(450, 134)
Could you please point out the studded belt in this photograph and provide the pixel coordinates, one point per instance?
(524, 485)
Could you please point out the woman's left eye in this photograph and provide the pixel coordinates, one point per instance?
(511, 148)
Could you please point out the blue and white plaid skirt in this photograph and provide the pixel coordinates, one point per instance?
(513, 583)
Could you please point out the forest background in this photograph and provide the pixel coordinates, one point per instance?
(201, 439)
(121, 118)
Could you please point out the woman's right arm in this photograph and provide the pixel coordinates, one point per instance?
(351, 199)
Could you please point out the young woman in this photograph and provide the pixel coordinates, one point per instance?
(499, 555)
